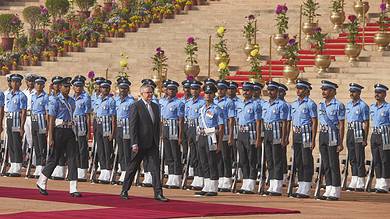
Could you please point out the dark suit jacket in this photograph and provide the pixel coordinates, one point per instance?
(143, 131)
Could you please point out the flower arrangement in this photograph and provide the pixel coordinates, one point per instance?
(124, 64)
(291, 54)
(382, 16)
(309, 10)
(281, 18)
(159, 61)
(223, 70)
(190, 50)
(220, 47)
(318, 40)
(353, 29)
(337, 6)
(10, 25)
(255, 63)
(91, 83)
(249, 28)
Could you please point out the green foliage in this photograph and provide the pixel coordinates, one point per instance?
(309, 10)
(10, 24)
(32, 16)
(57, 8)
(337, 6)
(85, 5)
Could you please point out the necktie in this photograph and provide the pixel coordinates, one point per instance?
(150, 111)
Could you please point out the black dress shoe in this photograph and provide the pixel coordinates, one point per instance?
(15, 175)
(42, 191)
(246, 192)
(275, 194)
(211, 194)
(350, 189)
(196, 188)
(124, 195)
(161, 198)
(241, 191)
(82, 180)
(294, 195)
(265, 193)
(119, 183)
(380, 191)
(173, 187)
(302, 196)
(75, 194)
(322, 197)
(332, 198)
(359, 190)
(200, 193)
(104, 182)
(225, 190)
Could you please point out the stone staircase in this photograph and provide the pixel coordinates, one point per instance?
(17, 6)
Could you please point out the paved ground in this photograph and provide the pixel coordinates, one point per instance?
(353, 205)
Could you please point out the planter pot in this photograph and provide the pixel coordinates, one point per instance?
(25, 62)
(145, 24)
(107, 7)
(337, 19)
(352, 51)
(102, 39)
(46, 58)
(308, 29)
(382, 39)
(291, 73)
(76, 49)
(218, 59)
(157, 20)
(192, 70)
(84, 14)
(322, 62)
(201, 2)
(60, 54)
(177, 10)
(169, 16)
(194, 2)
(133, 29)
(93, 43)
(7, 43)
(281, 41)
(361, 8)
(120, 34)
(247, 49)
(34, 62)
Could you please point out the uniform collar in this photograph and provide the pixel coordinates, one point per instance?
(105, 98)
(380, 106)
(79, 96)
(196, 100)
(42, 94)
(248, 101)
(14, 93)
(171, 99)
(221, 99)
(29, 91)
(333, 101)
(355, 103)
(276, 101)
(305, 99)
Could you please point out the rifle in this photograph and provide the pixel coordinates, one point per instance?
(92, 177)
(162, 160)
(370, 174)
(235, 175)
(186, 169)
(115, 164)
(318, 180)
(4, 162)
(345, 172)
(291, 180)
(262, 180)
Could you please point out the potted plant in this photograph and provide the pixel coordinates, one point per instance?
(32, 16)
(90, 85)
(34, 60)
(76, 47)
(177, 9)
(290, 69)
(352, 49)
(191, 68)
(221, 51)
(249, 33)
(61, 52)
(25, 60)
(84, 6)
(121, 32)
(46, 56)
(310, 8)
(145, 23)
(160, 66)
(361, 8)
(223, 70)
(57, 8)
(382, 37)
(133, 27)
(337, 15)
(322, 62)
(67, 44)
(187, 6)
(255, 63)
(10, 26)
(281, 38)
(169, 11)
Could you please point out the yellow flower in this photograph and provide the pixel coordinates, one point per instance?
(221, 30)
(254, 52)
(123, 63)
(222, 66)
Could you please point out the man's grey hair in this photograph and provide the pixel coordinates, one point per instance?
(146, 86)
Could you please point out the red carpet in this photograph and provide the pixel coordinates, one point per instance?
(136, 207)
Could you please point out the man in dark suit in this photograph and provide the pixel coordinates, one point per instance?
(145, 138)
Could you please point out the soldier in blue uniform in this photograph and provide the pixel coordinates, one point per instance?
(357, 116)
(331, 115)
(232, 94)
(380, 140)
(172, 115)
(225, 157)
(192, 113)
(105, 130)
(123, 102)
(61, 139)
(39, 107)
(304, 125)
(249, 137)
(282, 93)
(275, 113)
(2, 103)
(211, 129)
(16, 117)
(186, 84)
(81, 119)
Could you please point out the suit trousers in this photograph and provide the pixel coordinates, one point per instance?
(380, 157)
(64, 142)
(39, 144)
(14, 144)
(208, 159)
(303, 157)
(247, 156)
(356, 155)
(150, 154)
(273, 156)
(330, 161)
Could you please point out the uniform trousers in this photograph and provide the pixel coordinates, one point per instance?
(225, 161)
(194, 155)
(303, 158)
(39, 144)
(172, 153)
(330, 161)
(247, 156)
(123, 149)
(207, 158)
(273, 156)
(64, 142)
(82, 152)
(184, 141)
(14, 143)
(380, 157)
(104, 149)
(356, 155)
